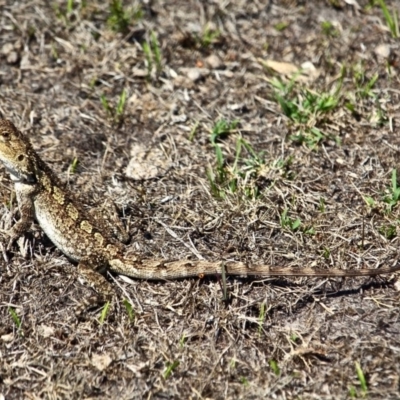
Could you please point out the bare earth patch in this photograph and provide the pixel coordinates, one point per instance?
(262, 132)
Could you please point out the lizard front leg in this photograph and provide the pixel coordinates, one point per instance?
(26, 209)
(92, 270)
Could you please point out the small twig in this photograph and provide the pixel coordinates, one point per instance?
(223, 275)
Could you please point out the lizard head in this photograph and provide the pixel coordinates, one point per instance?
(15, 153)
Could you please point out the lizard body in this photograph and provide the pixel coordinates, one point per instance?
(86, 239)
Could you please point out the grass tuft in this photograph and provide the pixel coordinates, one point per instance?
(306, 109)
(115, 114)
(120, 18)
(152, 52)
(392, 19)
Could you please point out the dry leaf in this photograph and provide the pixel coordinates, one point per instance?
(101, 361)
(283, 68)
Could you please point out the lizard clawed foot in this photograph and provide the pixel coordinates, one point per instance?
(98, 283)
(10, 238)
(4, 252)
(88, 304)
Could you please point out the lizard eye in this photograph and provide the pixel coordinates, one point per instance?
(6, 135)
(20, 157)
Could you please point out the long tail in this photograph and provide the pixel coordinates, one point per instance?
(136, 267)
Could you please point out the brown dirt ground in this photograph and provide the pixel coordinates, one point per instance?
(55, 66)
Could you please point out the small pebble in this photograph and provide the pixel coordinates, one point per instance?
(383, 50)
(214, 62)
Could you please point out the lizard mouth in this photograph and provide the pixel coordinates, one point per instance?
(29, 179)
(21, 177)
(26, 179)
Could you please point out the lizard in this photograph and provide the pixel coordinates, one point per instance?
(88, 241)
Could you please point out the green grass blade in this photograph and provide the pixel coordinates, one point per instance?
(14, 317)
(170, 368)
(361, 378)
(104, 312)
(129, 310)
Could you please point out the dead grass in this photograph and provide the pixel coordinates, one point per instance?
(273, 338)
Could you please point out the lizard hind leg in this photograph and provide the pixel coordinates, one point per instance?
(26, 209)
(92, 274)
